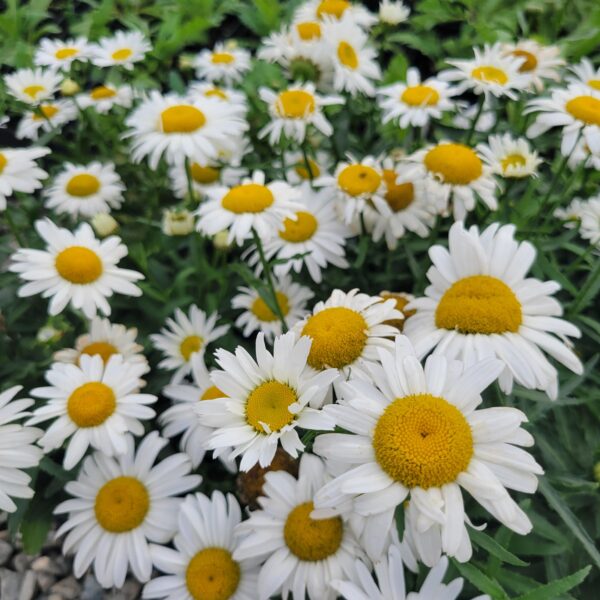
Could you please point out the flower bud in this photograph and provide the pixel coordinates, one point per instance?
(177, 222)
(104, 224)
(68, 87)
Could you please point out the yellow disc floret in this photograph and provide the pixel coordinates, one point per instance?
(212, 393)
(420, 95)
(268, 404)
(529, 60)
(122, 54)
(91, 404)
(83, 185)
(455, 164)
(121, 504)
(182, 118)
(212, 574)
(204, 175)
(63, 53)
(79, 265)
(347, 55)
(47, 110)
(102, 349)
(585, 108)
(295, 104)
(189, 345)
(333, 8)
(222, 58)
(3, 162)
(512, 160)
(33, 90)
(102, 92)
(308, 30)
(594, 84)
(310, 171)
(398, 195)
(300, 230)
(248, 198)
(359, 179)
(489, 74)
(263, 313)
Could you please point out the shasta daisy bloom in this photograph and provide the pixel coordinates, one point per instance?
(415, 433)
(202, 565)
(204, 176)
(85, 190)
(582, 153)
(467, 113)
(480, 303)
(252, 205)
(17, 450)
(32, 86)
(58, 54)
(510, 157)
(93, 404)
(225, 62)
(402, 299)
(123, 49)
(300, 555)
(222, 94)
(181, 128)
(75, 268)
(300, 169)
(328, 10)
(539, 62)
(54, 114)
(103, 97)
(415, 102)
(257, 316)
(119, 505)
(265, 401)
(584, 214)
(19, 171)
(346, 331)
(184, 336)
(585, 73)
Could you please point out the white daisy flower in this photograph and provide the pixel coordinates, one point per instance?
(103, 97)
(346, 331)
(94, 404)
(184, 336)
(252, 205)
(59, 54)
(32, 86)
(491, 72)
(401, 299)
(225, 62)
(298, 171)
(539, 62)
(510, 157)
(19, 171)
(586, 74)
(54, 114)
(257, 316)
(119, 505)
(74, 268)
(123, 49)
(328, 10)
(415, 102)
(266, 400)
(85, 190)
(570, 213)
(223, 94)
(466, 113)
(480, 304)
(17, 450)
(204, 176)
(584, 214)
(202, 563)
(415, 433)
(181, 128)
(300, 555)
(393, 12)
(582, 153)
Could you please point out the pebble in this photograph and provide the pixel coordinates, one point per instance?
(68, 588)
(28, 586)
(10, 584)
(6, 551)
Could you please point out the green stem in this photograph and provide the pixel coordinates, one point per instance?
(307, 162)
(475, 120)
(13, 228)
(188, 177)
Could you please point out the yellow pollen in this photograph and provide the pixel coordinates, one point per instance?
(91, 404)
(122, 504)
(222, 58)
(182, 118)
(585, 108)
(303, 172)
(594, 84)
(398, 195)
(295, 104)
(356, 180)
(335, 8)
(529, 63)
(300, 230)
(268, 403)
(312, 539)
(79, 265)
(248, 198)
(102, 92)
(204, 175)
(309, 30)
(48, 110)
(455, 164)
(512, 160)
(122, 54)
(338, 335)
(3, 162)
(189, 345)
(479, 304)
(423, 441)
(102, 349)
(212, 393)
(490, 74)
(66, 53)
(212, 574)
(83, 185)
(420, 95)
(263, 313)
(217, 93)
(347, 55)
(401, 301)
(33, 90)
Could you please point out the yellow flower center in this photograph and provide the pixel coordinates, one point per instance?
(338, 335)
(303, 172)
(455, 164)
(585, 108)
(248, 198)
(420, 95)
(398, 195)
(83, 185)
(490, 74)
(512, 160)
(423, 441)
(263, 313)
(312, 539)
(268, 404)
(359, 179)
(212, 574)
(189, 345)
(309, 30)
(529, 60)
(594, 84)
(102, 92)
(212, 393)
(122, 504)
(204, 175)
(3, 162)
(47, 110)
(91, 404)
(216, 93)
(102, 349)
(300, 230)
(401, 301)
(222, 58)
(334, 8)
(347, 55)
(33, 90)
(79, 265)
(122, 54)
(479, 304)
(295, 104)
(66, 53)
(182, 118)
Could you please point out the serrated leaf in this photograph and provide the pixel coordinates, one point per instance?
(558, 587)
(480, 580)
(495, 549)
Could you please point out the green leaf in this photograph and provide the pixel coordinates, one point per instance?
(558, 587)
(36, 524)
(480, 580)
(495, 549)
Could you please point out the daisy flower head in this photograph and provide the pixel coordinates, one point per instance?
(295, 109)
(93, 404)
(300, 555)
(103, 97)
(415, 102)
(346, 331)
(225, 62)
(490, 72)
(266, 400)
(204, 176)
(85, 191)
(228, 95)
(582, 153)
(480, 303)
(585, 215)
(252, 206)
(123, 49)
(119, 505)
(60, 55)
(540, 62)
(19, 171)
(467, 113)
(32, 86)
(510, 157)
(180, 128)
(257, 316)
(415, 433)
(50, 115)
(17, 449)
(335, 10)
(402, 299)
(586, 74)
(301, 169)
(202, 564)
(74, 268)
(393, 12)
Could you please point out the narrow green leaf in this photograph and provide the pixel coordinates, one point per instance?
(480, 580)
(558, 587)
(495, 549)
